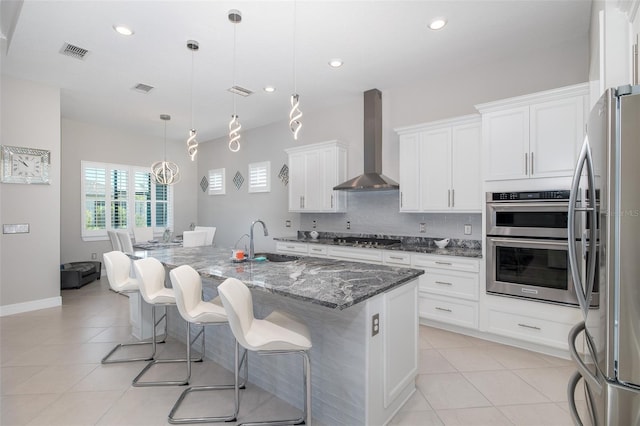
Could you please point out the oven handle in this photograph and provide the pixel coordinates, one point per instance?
(550, 206)
(583, 294)
(530, 242)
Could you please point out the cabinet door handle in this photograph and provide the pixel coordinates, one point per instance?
(448, 198)
(290, 247)
(443, 263)
(331, 200)
(526, 163)
(396, 257)
(443, 283)
(315, 249)
(401, 200)
(438, 308)
(531, 327)
(453, 198)
(532, 164)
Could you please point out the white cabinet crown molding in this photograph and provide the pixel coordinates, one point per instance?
(581, 89)
(432, 125)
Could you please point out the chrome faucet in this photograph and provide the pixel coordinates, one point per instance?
(266, 232)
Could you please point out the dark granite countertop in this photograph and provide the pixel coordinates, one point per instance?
(331, 283)
(462, 248)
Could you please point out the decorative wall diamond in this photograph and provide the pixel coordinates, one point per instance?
(284, 174)
(204, 183)
(238, 180)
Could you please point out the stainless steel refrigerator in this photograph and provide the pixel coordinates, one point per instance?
(604, 221)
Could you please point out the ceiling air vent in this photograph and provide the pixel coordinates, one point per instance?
(77, 52)
(240, 91)
(143, 88)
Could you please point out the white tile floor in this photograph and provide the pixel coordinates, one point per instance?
(51, 375)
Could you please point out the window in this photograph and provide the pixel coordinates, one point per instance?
(217, 181)
(259, 177)
(118, 196)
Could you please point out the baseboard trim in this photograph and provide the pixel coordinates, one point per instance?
(34, 305)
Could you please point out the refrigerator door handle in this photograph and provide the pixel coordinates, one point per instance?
(583, 292)
(593, 381)
(571, 398)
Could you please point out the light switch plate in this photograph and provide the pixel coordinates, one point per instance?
(467, 230)
(15, 228)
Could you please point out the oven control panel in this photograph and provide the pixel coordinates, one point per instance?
(528, 195)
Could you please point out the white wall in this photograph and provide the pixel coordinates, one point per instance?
(82, 141)
(449, 95)
(30, 263)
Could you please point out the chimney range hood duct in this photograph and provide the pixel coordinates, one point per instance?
(372, 179)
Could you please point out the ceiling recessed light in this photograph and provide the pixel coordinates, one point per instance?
(336, 63)
(269, 89)
(122, 30)
(437, 24)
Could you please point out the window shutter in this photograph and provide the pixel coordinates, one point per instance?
(217, 181)
(259, 177)
(119, 195)
(142, 208)
(95, 194)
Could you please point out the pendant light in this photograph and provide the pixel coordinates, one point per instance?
(295, 114)
(165, 172)
(235, 17)
(192, 143)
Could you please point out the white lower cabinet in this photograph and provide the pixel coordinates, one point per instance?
(291, 248)
(449, 289)
(529, 321)
(449, 310)
(355, 254)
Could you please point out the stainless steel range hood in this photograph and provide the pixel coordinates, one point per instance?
(372, 179)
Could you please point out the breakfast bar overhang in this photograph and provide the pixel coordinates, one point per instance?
(363, 320)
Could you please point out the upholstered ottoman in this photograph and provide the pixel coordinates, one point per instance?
(77, 274)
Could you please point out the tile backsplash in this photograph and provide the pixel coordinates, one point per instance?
(376, 212)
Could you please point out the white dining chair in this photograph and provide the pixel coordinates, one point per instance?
(211, 232)
(194, 238)
(143, 234)
(115, 242)
(124, 238)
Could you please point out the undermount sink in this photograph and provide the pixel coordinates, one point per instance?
(276, 257)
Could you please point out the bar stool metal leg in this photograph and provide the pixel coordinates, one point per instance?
(236, 386)
(107, 358)
(136, 381)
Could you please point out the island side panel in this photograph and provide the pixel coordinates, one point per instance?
(392, 352)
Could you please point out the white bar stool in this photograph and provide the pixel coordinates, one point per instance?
(277, 334)
(118, 266)
(187, 286)
(151, 274)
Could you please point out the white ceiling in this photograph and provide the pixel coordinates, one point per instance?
(384, 44)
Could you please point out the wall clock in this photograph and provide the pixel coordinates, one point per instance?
(25, 165)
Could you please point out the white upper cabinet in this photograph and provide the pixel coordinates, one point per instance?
(534, 136)
(313, 172)
(440, 166)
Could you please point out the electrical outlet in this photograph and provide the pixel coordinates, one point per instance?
(467, 229)
(287, 224)
(348, 225)
(423, 227)
(94, 256)
(375, 324)
(315, 224)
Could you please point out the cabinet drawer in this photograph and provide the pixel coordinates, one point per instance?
(445, 262)
(297, 248)
(450, 283)
(317, 250)
(451, 311)
(529, 328)
(396, 258)
(356, 254)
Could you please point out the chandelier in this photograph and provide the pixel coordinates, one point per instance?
(295, 124)
(165, 172)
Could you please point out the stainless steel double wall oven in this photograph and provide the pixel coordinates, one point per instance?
(527, 246)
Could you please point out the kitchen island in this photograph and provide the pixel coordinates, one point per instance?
(363, 321)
